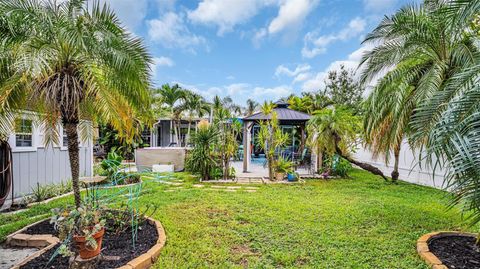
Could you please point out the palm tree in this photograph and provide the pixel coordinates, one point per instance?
(195, 105)
(388, 111)
(70, 63)
(335, 130)
(171, 96)
(422, 50)
(252, 106)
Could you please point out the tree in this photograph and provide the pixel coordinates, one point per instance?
(252, 106)
(195, 105)
(70, 63)
(386, 122)
(335, 130)
(201, 158)
(270, 136)
(342, 89)
(172, 96)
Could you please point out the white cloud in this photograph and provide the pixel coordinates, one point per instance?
(230, 77)
(166, 5)
(170, 31)
(283, 70)
(315, 44)
(225, 14)
(291, 14)
(258, 37)
(317, 81)
(237, 88)
(274, 93)
(163, 61)
(379, 5)
(131, 16)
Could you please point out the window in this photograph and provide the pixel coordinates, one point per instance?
(64, 138)
(23, 133)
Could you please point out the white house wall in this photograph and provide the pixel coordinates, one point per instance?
(46, 166)
(409, 169)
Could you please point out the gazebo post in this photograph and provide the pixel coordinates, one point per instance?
(247, 138)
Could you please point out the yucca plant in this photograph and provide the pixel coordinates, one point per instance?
(71, 63)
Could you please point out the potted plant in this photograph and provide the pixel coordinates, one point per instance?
(84, 225)
(292, 175)
(282, 167)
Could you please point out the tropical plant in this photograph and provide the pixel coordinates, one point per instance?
(227, 146)
(111, 164)
(173, 96)
(86, 220)
(196, 106)
(270, 136)
(283, 165)
(388, 111)
(335, 130)
(71, 61)
(200, 159)
(252, 106)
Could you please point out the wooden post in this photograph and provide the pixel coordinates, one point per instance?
(247, 138)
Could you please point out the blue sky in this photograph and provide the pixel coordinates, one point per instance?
(259, 49)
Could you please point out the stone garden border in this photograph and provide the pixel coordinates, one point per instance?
(422, 247)
(48, 241)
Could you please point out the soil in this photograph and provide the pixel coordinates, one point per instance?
(459, 252)
(117, 250)
(43, 227)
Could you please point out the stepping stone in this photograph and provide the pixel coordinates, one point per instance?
(251, 190)
(230, 190)
(217, 187)
(169, 190)
(198, 186)
(176, 183)
(233, 187)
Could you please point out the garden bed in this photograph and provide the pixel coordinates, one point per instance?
(449, 250)
(117, 249)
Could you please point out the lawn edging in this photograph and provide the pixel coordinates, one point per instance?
(48, 241)
(423, 250)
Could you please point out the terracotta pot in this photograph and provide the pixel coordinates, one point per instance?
(279, 176)
(85, 251)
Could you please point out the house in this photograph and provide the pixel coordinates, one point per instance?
(162, 134)
(34, 164)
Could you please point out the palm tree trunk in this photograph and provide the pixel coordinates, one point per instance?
(319, 160)
(188, 132)
(365, 166)
(73, 154)
(395, 173)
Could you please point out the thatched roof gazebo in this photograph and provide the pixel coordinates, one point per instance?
(286, 117)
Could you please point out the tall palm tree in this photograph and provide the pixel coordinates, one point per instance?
(71, 63)
(388, 111)
(335, 130)
(172, 96)
(420, 51)
(252, 106)
(196, 106)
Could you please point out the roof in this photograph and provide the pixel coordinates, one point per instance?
(284, 114)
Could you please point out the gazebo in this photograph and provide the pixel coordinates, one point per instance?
(288, 118)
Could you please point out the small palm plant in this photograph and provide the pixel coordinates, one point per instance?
(270, 136)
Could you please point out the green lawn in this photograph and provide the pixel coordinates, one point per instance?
(361, 222)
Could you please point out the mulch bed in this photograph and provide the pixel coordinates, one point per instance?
(113, 246)
(459, 252)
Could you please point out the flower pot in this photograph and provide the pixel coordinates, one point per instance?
(291, 177)
(279, 176)
(84, 250)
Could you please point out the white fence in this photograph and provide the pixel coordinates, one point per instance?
(409, 169)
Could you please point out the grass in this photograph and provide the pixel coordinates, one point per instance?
(361, 222)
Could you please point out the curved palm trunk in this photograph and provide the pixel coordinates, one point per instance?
(73, 154)
(365, 166)
(395, 173)
(188, 132)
